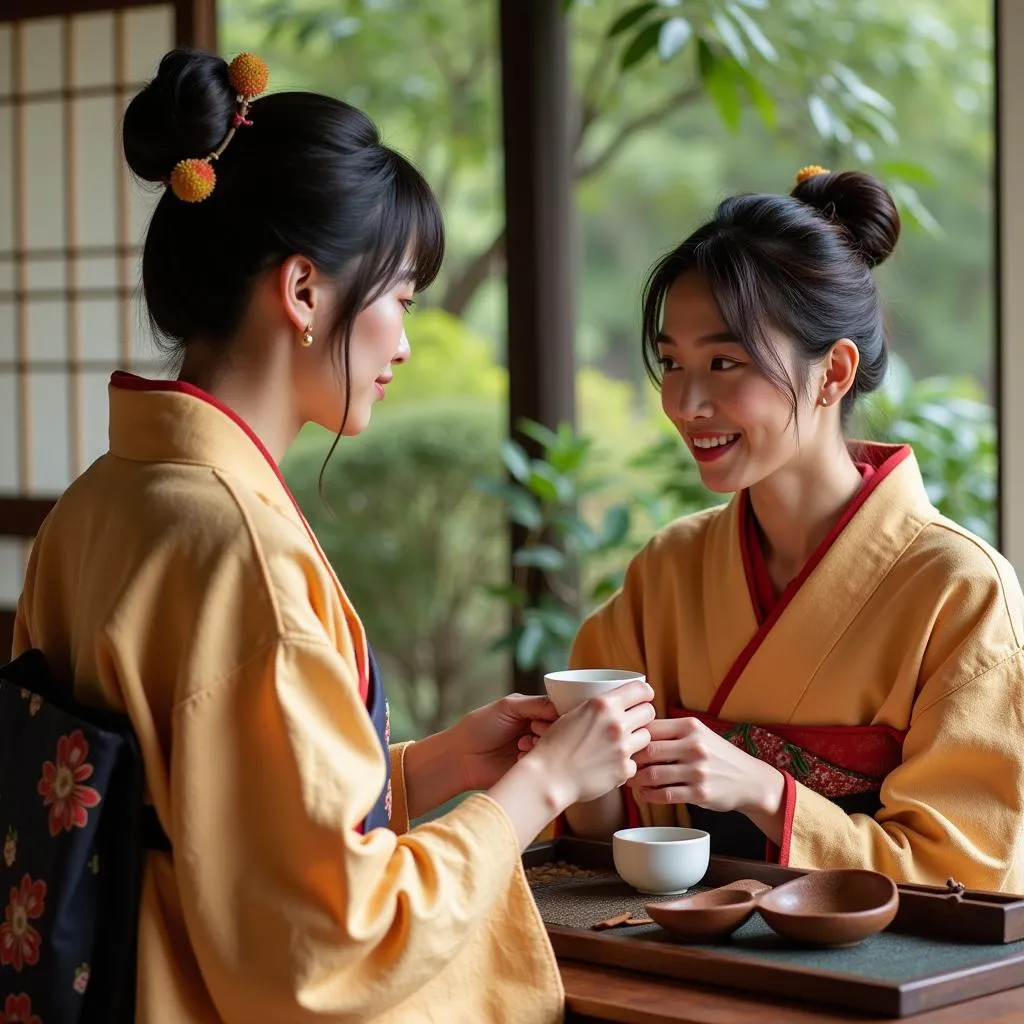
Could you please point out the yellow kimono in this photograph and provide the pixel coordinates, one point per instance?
(177, 581)
(886, 682)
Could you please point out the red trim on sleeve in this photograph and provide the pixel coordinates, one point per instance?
(881, 469)
(780, 854)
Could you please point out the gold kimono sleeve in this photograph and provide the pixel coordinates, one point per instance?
(953, 808)
(293, 914)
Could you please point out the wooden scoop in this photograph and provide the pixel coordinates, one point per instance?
(712, 914)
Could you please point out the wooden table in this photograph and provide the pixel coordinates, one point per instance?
(600, 994)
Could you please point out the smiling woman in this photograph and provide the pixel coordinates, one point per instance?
(826, 645)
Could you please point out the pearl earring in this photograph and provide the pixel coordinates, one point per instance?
(824, 400)
(307, 336)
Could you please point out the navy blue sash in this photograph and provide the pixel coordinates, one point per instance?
(377, 706)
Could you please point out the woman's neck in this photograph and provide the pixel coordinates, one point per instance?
(798, 506)
(252, 387)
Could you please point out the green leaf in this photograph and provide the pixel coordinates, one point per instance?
(540, 556)
(543, 435)
(643, 42)
(675, 34)
(507, 593)
(509, 639)
(606, 586)
(821, 116)
(907, 171)
(616, 524)
(629, 19)
(555, 621)
(516, 460)
(542, 487)
(529, 644)
(764, 102)
(915, 209)
(879, 124)
(856, 87)
(758, 40)
(561, 486)
(720, 83)
(731, 37)
(524, 510)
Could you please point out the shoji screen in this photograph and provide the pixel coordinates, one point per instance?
(71, 223)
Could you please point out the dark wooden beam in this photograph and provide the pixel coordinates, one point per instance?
(18, 10)
(6, 634)
(535, 97)
(197, 23)
(195, 20)
(22, 517)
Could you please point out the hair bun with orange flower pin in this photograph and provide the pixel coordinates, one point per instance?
(194, 180)
(810, 171)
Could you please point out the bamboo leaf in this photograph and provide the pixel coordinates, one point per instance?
(630, 18)
(675, 34)
(757, 39)
(516, 460)
(720, 83)
(730, 36)
(643, 42)
(540, 556)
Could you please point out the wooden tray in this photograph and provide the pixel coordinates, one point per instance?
(957, 949)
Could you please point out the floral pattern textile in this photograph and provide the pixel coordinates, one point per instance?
(71, 825)
(19, 940)
(18, 1010)
(61, 785)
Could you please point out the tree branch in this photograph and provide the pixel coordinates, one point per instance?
(638, 124)
(464, 285)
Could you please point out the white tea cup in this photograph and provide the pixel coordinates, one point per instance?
(567, 689)
(661, 860)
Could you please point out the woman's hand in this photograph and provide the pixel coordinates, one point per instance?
(485, 742)
(589, 750)
(583, 754)
(688, 763)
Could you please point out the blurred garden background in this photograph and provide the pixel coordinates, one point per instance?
(678, 103)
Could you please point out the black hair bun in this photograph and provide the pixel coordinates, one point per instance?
(185, 111)
(861, 204)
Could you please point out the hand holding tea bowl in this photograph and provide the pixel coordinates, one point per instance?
(568, 690)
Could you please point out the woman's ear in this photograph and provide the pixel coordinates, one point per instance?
(840, 371)
(297, 278)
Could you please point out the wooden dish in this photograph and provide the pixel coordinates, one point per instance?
(709, 915)
(831, 908)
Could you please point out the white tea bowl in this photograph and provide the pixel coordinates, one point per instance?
(567, 689)
(661, 860)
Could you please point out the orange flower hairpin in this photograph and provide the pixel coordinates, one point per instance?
(810, 171)
(194, 179)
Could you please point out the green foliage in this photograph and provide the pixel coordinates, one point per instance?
(448, 358)
(543, 497)
(410, 539)
(953, 432)
(579, 534)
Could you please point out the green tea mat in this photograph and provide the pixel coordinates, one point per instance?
(579, 902)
